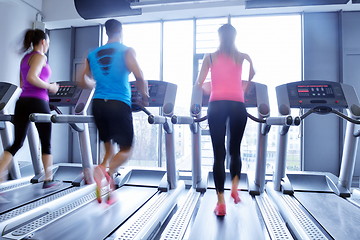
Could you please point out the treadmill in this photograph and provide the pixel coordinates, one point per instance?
(255, 217)
(9, 93)
(145, 198)
(31, 201)
(314, 204)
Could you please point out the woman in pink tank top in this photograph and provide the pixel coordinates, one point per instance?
(226, 104)
(34, 81)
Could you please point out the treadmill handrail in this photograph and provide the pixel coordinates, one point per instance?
(40, 117)
(152, 119)
(6, 117)
(71, 118)
(47, 118)
(329, 110)
(281, 120)
(186, 119)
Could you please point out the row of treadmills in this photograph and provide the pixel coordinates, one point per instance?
(168, 204)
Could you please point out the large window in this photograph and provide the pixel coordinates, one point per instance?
(166, 51)
(274, 43)
(145, 40)
(178, 68)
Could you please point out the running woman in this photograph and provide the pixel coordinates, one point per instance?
(226, 103)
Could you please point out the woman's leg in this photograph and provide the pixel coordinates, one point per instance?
(237, 120)
(21, 123)
(44, 130)
(217, 125)
(4, 164)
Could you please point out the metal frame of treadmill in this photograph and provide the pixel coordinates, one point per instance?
(306, 224)
(151, 214)
(180, 222)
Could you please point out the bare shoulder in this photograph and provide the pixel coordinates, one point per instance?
(210, 57)
(130, 51)
(38, 58)
(243, 56)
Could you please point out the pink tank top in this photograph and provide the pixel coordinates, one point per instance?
(29, 90)
(226, 81)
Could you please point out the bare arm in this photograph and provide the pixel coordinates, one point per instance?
(85, 80)
(133, 66)
(21, 82)
(246, 57)
(204, 70)
(251, 70)
(37, 62)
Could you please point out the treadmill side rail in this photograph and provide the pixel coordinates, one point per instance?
(146, 222)
(297, 219)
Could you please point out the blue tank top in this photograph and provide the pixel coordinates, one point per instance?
(108, 67)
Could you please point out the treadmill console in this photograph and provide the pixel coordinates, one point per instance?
(6, 92)
(310, 94)
(69, 94)
(162, 94)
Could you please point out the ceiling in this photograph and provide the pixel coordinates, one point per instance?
(185, 9)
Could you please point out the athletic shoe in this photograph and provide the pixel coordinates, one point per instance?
(98, 177)
(110, 199)
(235, 196)
(99, 174)
(220, 210)
(51, 184)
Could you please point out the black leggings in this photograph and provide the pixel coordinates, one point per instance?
(218, 114)
(24, 107)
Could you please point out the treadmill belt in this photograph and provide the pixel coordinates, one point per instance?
(339, 217)
(28, 193)
(96, 221)
(240, 222)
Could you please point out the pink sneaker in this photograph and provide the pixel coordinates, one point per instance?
(98, 177)
(111, 199)
(235, 196)
(220, 210)
(99, 174)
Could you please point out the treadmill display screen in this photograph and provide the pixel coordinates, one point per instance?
(312, 93)
(315, 91)
(66, 91)
(157, 92)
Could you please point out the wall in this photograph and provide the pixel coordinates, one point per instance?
(321, 61)
(15, 17)
(86, 39)
(351, 58)
(60, 61)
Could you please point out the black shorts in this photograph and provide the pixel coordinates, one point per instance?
(114, 121)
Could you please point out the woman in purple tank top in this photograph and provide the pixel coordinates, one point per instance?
(226, 104)
(34, 81)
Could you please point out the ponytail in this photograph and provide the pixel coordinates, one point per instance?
(32, 38)
(227, 34)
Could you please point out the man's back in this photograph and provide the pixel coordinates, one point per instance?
(108, 67)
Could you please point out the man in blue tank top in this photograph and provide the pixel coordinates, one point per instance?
(107, 68)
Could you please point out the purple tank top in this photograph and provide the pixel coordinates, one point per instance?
(29, 90)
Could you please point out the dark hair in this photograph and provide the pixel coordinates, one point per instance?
(32, 38)
(113, 27)
(227, 34)
(228, 30)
